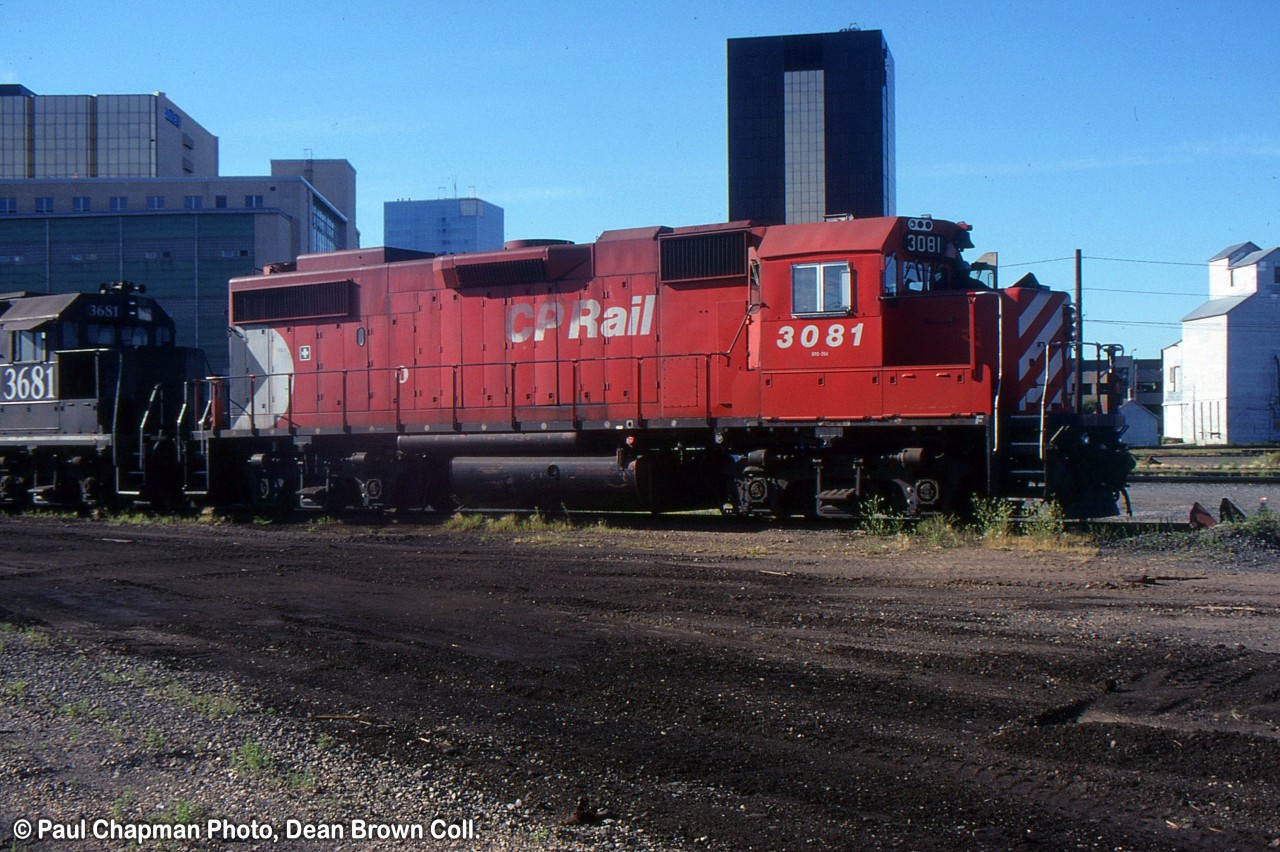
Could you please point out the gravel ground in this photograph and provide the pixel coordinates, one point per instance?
(706, 686)
(116, 749)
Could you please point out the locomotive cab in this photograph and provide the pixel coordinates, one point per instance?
(81, 378)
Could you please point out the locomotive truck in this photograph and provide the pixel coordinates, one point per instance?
(784, 370)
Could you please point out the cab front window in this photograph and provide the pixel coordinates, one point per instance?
(922, 276)
(821, 288)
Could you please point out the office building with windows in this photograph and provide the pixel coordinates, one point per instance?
(443, 226)
(89, 136)
(161, 216)
(811, 127)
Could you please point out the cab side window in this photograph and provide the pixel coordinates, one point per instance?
(29, 346)
(821, 288)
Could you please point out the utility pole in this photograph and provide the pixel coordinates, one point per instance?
(1079, 333)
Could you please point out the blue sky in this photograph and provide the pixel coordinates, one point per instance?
(1143, 133)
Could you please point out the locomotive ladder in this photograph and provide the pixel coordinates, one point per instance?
(1023, 471)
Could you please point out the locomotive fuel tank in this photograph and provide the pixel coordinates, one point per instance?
(574, 483)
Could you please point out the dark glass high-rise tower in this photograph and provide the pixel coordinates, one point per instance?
(810, 127)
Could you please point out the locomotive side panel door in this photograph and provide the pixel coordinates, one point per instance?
(619, 330)
(353, 338)
(496, 372)
(435, 358)
(733, 394)
(262, 378)
(382, 379)
(306, 402)
(928, 348)
(452, 367)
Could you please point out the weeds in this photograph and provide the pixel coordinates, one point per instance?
(941, 531)
(994, 523)
(180, 812)
(1044, 521)
(14, 690)
(301, 780)
(121, 805)
(251, 757)
(509, 523)
(210, 706)
(465, 523)
(877, 519)
(993, 518)
(1262, 527)
(83, 709)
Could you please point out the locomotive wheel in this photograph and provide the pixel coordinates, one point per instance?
(13, 491)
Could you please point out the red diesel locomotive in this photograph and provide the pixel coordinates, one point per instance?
(784, 369)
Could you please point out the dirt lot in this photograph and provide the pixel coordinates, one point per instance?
(705, 686)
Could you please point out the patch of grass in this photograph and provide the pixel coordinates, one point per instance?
(180, 812)
(251, 758)
(121, 805)
(509, 523)
(301, 780)
(465, 523)
(1267, 461)
(887, 543)
(209, 706)
(941, 531)
(14, 690)
(30, 636)
(993, 518)
(84, 709)
(112, 678)
(1044, 521)
(877, 519)
(1258, 530)
(1264, 525)
(153, 740)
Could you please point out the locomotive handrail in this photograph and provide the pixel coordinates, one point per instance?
(399, 424)
(115, 416)
(398, 375)
(576, 377)
(1044, 396)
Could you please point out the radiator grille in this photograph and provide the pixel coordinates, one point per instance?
(503, 273)
(704, 256)
(298, 302)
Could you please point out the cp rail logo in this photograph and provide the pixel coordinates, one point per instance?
(584, 318)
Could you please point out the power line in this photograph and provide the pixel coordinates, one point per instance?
(1108, 259)
(1035, 262)
(1154, 262)
(1089, 289)
(1133, 322)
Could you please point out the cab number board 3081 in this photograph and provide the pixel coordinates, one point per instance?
(925, 244)
(809, 336)
(921, 239)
